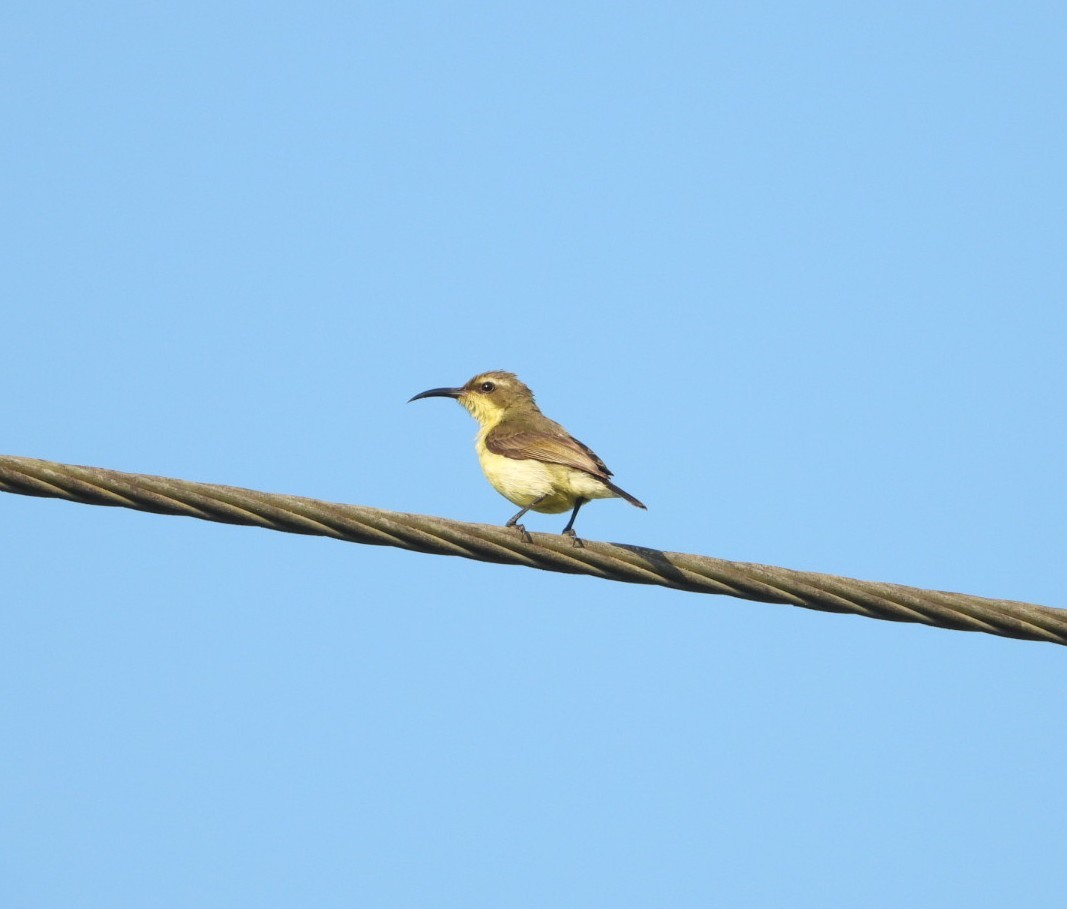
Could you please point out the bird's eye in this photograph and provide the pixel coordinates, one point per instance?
(486, 387)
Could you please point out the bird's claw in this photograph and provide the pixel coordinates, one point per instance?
(575, 540)
(523, 535)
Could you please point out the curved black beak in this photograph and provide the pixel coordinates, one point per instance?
(438, 393)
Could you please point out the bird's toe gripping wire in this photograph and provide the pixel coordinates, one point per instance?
(514, 520)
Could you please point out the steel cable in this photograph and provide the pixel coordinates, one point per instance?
(550, 552)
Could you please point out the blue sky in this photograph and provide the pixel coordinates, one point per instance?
(796, 272)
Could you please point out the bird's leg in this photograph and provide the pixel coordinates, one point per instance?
(526, 538)
(568, 531)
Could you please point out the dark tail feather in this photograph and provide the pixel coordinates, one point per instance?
(623, 494)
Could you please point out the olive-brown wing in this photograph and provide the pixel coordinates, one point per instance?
(544, 446)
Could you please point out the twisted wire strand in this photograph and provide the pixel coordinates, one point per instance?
(550, 552)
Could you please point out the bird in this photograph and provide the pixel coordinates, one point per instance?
(532, 461)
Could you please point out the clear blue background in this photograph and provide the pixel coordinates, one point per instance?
(796, 271)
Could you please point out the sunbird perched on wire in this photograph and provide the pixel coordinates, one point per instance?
(529, 459)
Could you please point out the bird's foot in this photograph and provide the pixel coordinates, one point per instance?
(575, 540)
(523, 535)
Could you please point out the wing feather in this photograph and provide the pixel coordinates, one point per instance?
(553, 448)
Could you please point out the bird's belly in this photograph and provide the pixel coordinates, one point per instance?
(525, 481)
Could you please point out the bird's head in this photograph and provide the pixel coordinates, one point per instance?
(488, 396)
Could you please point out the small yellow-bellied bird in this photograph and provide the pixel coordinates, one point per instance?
(529, 459)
